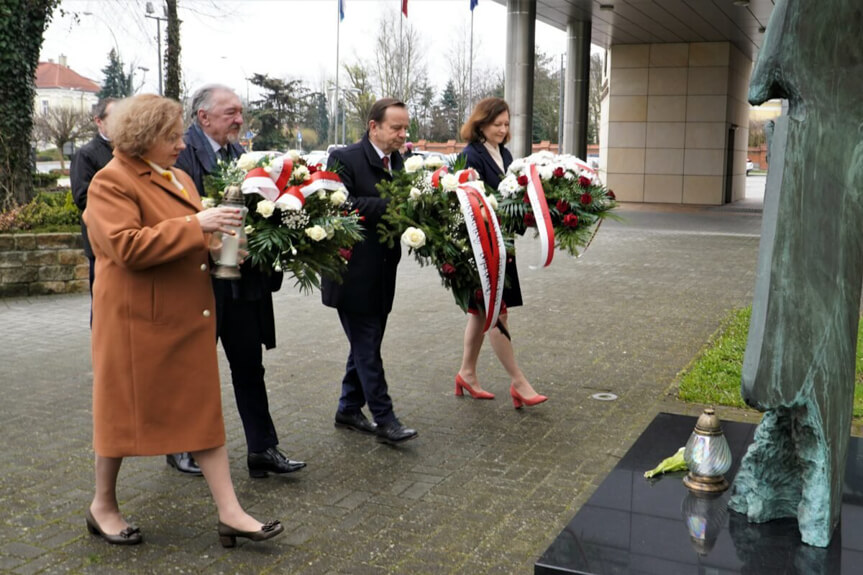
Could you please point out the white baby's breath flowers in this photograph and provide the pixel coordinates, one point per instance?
(266, 208)
(414, 238)
(317, 233)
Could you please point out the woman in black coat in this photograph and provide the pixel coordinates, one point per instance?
(486, 131)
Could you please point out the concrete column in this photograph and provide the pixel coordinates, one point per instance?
(576, 88)
(518, 87)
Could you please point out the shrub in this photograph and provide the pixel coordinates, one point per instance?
(47, 210)
(43, 180)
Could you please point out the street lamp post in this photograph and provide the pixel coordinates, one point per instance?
(150, 14)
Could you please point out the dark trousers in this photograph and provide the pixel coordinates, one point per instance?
(240, 333)
(92, 261)
(364, 381)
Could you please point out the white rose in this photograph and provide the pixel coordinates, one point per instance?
(317, 233)
(516, 166)
(492, 201)
(208, 203)
(293, 155)
(338, 197)
(414, 238)
(246, 162)
(413, 164)
(449, 182)
(508, 186)
(250, 229)
(415, 194)
(300, 174)
(266, 208)
(433, 162)
(545, 172)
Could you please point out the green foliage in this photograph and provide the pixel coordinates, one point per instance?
(116, 82)
(22, 25)
(281, 239)
(417, 203)
(43, 180)
(279, 111)
(577, 204)
(47, 211)
(713, 377)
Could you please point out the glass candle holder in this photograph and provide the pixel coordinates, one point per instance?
(707, 455)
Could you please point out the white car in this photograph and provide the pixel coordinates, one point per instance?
(316, 157)
(749, 166)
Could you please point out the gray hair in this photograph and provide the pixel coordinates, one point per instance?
(202, 99)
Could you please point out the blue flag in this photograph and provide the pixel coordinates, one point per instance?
(473, 4)
(342, 9)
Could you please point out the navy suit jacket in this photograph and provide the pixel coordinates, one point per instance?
(198, 160)
(369, 284)
(92, 157)
(479, 159)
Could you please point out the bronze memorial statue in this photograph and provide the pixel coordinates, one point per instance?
(799, 363)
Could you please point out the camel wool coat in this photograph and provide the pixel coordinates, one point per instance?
(155, 372)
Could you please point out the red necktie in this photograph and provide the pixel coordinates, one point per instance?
(386, 162)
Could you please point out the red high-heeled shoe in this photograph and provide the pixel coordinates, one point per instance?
(518, 400)
(461, 384)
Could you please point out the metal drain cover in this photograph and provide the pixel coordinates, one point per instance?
(604, 396)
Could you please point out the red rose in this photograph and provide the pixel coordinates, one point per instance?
(529, 220)
(312, 169)
(611, 195)
(558, 172)
(562, 206)
(584, 181)
(570, 220)
(346, 253)
(522, 180)
(448, 270)
(586, 199)
(526, 199)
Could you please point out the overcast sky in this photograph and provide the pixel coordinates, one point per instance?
(228, 40)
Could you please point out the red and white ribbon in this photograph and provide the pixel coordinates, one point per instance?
(437, 175)
(486, 241)
(536, 195)
(294, 198)
(269, 183)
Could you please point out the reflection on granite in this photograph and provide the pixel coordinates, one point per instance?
(631, 525)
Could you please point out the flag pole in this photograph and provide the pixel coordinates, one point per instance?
(336, 99)
(470, 69)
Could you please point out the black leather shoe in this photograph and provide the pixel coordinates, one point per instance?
(184, 463)
(228, 535)
(129, 536)
(394, 433)
(356, 422)
(273, 461)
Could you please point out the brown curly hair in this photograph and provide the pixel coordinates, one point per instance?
(136, 123)
(484, 113)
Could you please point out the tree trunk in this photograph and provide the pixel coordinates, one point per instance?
(172, 53)
(22, 37)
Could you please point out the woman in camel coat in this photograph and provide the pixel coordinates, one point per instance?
(155, 373)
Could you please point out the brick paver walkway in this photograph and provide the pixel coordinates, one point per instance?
(485, 488)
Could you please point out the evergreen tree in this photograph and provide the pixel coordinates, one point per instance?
(450, 110)
(279, 111)
(117, 84)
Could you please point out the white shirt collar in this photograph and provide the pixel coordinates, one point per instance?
(379, 151)
(214, 143)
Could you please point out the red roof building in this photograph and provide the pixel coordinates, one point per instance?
(58, 85)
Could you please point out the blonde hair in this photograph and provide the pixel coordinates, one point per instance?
(137, 123)
(484, 113)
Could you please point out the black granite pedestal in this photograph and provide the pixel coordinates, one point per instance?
(635, 526)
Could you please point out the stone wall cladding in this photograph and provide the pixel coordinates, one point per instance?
(40, 264)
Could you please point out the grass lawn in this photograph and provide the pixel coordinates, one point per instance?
(713, 377)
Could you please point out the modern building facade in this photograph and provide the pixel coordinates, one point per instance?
(675, 117)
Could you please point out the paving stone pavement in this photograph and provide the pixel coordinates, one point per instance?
(483, 490)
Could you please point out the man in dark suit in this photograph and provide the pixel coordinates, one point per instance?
(92, 157)
(244, 307)
(365, 297)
